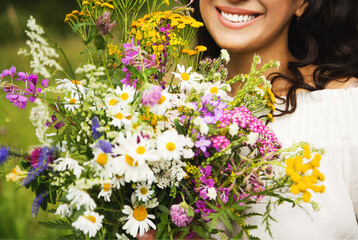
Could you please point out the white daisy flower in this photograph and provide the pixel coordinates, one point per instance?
(188, 80)
(67, 163)
(64, 210)
(111, 100)
(121, 116)
(80, 198)
(72, 103)
(143, 192)
(117, 181)
(170, 145)
(138, 219)
(163, 105)
(89, 223)
(106, 192)
(104, 164)
(125, 93)
(216, 88)
(72, 86)
(122, 237)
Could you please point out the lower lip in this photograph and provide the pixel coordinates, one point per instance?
(236, 25)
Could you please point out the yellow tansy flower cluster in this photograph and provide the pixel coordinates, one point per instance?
(98, 4)
(192, 171)
(113, 49)
(165, 30)
(75, 15)
(305, 175)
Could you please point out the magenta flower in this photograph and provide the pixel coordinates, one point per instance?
(104, 24)
(179, 214)
(8, 72)
(17, 99)
(151, 95)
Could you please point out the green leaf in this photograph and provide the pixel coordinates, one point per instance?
(78, 25)
(164, 218)
(190, 212)
(179, 127)
(149, 71)
(164, 209)
(202, 233)
(57, 224)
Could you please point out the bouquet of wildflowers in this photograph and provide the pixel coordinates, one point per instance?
(145, 135)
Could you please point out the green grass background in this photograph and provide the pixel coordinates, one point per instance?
(16, 129)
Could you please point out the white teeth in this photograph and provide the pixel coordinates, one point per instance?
(237, 18)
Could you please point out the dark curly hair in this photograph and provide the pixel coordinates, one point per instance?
(326, 35)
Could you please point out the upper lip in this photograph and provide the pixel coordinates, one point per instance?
(238, 11)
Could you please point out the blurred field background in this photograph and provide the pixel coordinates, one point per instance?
(16, 130)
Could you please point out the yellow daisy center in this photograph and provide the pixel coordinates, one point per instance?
(170, 146)
(129, 117)
(76, 82)
(140, 150)
(102, 159)
(124, 96)
(106, 187)
(214, 90)
(119, 116)
(143, 191)
(112, 102)
(72, 101)
(130, 161)
(140, 213)
(91, 218)
(162, 99)
(184, 76)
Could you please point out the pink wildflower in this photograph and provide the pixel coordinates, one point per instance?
(179, 214)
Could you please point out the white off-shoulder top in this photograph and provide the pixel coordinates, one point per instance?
(328, 119)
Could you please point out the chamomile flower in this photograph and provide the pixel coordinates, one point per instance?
(143, 192)
(80, 198)
(188, 80)
(170, 145)
(106, 192)
(64, 210)
(111, 100)
(163, 104)
(138, 219)
(67, 163)
(104, 164)
(125, 93)
(121, 116)
(72, 103)
(217, 88)
(117, 181)
(89, 223)
(73, 86)
(133, 156)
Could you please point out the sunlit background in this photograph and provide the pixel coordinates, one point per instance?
(16, 130)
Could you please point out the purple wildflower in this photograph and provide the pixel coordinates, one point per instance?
(105, 146)
(59, 125)
(37, 202)
(179, 214)
(22, 76)
(17, 99)
(45, 157)
(152, 95)
(8, 72)
(95, 124)
(104, 24)
(4, 154)
(203, 144)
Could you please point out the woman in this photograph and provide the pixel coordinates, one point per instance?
(316, 44)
